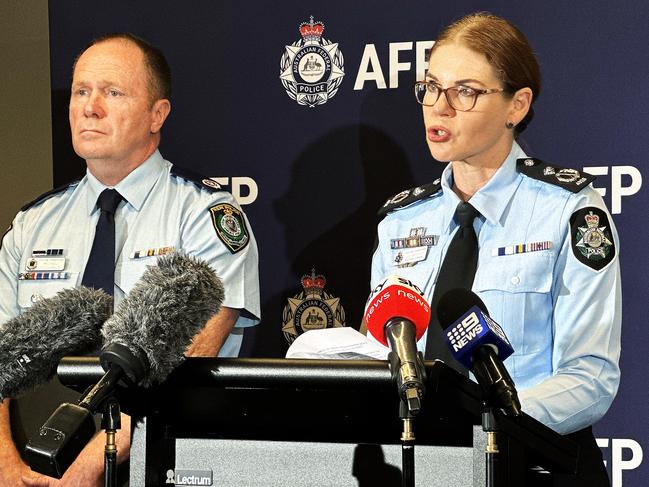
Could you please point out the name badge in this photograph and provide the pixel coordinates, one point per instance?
(45, 264)
(410, 256)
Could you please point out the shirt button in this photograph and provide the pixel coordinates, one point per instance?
(36, 297)
(515, 280)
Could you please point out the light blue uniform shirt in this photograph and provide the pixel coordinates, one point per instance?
(562, 317)
(159, 210)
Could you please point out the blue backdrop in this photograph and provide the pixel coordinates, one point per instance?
(311, 178)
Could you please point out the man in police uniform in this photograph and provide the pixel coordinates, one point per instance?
(119, 102)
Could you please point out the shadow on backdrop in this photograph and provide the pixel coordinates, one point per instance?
(328, 215)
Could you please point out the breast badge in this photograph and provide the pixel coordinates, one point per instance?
(311, 309)
(312, 68)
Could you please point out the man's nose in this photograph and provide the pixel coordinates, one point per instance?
(94, 106)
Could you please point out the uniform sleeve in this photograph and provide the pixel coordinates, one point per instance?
(378, 270)
(586, 322)
(218, 232)
(9, 268)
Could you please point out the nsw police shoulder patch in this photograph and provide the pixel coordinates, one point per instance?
(230, 226)
(591, 237)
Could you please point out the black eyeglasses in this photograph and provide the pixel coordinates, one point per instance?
(461, 98)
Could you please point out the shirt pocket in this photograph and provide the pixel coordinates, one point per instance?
(128, 273)
(517, 290)
(31, 291)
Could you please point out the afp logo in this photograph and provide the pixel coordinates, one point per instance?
(312, 68)
(623, 181)
(243, 188)
(621, 455)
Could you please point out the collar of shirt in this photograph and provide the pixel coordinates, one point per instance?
(134, 188)
(492, 199)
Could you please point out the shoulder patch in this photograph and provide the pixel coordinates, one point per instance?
(48, 194)
(567, 178)
(410, 196)
(202, 182)
(591, 237)
(230, 226)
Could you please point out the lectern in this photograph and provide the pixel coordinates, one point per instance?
(315, 422)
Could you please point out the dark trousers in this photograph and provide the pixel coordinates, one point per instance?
(590, 467)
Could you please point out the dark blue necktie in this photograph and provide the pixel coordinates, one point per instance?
(100, 269)
(457, 271)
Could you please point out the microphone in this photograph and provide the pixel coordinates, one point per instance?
(480, 344)
(145, 338)
(397, 312)
(33, 343)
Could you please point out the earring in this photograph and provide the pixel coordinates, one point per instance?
(509, 125)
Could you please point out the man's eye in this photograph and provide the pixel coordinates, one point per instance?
(432, 88)
(114, 93)
(82, 92)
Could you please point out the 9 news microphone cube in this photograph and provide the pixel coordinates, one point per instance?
(472, 330)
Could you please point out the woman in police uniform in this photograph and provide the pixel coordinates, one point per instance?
(547, 261)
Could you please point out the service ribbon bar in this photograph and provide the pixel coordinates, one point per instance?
(139, 254)
(39, 276)
(521, 248)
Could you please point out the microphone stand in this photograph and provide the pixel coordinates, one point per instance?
(490, 427)
(407, 446)
(110, 423)
(409, 406)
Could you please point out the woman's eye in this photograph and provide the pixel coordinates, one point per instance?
(465, 91)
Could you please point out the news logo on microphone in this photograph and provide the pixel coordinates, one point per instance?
(396, 297)
(472, 330)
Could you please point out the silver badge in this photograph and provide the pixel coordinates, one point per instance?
(568, 175)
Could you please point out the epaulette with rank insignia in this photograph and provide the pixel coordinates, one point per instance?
(410, 196)
(196, 178)
(48, 194)
(567, 178)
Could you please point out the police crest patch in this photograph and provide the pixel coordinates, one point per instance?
(311, 309)
(230, 226)
(591, 237)
(312, 68)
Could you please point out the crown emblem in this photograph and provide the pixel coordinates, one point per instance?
(592, 220)
(313, 284)
(311, 31)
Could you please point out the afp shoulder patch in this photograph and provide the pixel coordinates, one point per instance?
(591, 237)
(567, 178)
(410, 196)
(48, 194)
(230, 226)
(202, 182)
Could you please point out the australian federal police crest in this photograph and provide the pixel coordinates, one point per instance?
(311, 309)
(311, 69)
